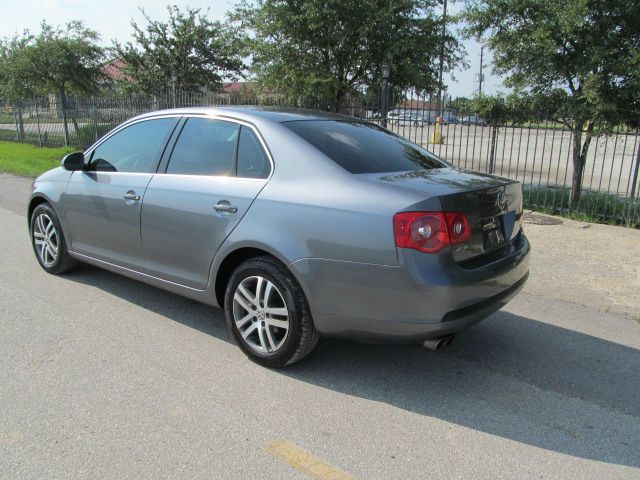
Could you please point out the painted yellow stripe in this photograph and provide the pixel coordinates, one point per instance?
(306, 463)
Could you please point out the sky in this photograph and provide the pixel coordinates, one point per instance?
(111, 18)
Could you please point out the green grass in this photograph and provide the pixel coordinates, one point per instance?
(597, 207)
(28, 160)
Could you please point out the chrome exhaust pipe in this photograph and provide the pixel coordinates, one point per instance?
(438, 343)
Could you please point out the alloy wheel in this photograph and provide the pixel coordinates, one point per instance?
(45, 237)
(260, 314)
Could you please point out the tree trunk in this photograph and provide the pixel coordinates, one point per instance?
(579, 156)
(338, 98)
(21, 124)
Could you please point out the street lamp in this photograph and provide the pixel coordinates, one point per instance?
(384, 68)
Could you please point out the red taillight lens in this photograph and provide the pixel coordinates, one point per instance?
(429, 232)
(458, 226)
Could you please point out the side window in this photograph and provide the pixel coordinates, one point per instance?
(134, 149)
(252, 159)
(205, 147)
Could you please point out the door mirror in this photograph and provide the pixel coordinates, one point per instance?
(74, 161)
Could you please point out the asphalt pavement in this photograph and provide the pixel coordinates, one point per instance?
(105, 377)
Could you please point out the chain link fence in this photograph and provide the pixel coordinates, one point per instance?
(538, 153)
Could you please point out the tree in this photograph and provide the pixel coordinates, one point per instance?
(57, 60)
(497, 110)
(574, 56)
(328, 49)
(461, 104)
(189, 49)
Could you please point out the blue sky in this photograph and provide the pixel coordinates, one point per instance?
(111, 19)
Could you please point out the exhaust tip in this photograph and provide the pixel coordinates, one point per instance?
(437, 344)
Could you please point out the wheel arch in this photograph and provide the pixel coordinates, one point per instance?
(36, 200)
(234, 258)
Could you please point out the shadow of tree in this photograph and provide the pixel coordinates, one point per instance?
(510, 376)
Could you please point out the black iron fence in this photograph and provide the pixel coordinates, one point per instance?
(538, 153)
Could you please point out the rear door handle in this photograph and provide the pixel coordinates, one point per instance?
(225, 206)
(131, 195)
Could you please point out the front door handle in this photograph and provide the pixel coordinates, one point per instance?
(131, 195)
(225, 206)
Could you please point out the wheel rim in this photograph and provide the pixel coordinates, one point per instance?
(260, 314)
(45, 237)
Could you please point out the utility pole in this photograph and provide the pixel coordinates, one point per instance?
(444, 33)
(481, 65)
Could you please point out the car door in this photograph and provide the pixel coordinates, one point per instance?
(102, 203)
(216, 170)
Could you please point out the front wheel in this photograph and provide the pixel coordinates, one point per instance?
(267, 313)
(48, 240)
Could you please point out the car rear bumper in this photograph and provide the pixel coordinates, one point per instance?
(425, 296)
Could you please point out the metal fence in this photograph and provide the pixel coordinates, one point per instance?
(537, 153)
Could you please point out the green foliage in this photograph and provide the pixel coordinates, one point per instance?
(462, 104)
(499, 109)
(328, 49)
(55, 60)
(576, 52)
(578, 59)
(24, 159)
(197, 51)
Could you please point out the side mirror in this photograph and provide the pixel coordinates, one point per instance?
(74, 161)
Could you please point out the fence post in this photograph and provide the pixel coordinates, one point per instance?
(492, 152)
(65, 127)
(15, 118)
(634, 181)
(38, 123)
(94, 111)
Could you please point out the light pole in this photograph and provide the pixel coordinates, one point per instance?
(441, 67)
(384, 68)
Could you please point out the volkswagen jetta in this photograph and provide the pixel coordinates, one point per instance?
(298, 224)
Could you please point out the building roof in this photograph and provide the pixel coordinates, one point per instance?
(237, 87)
(113, 70)
(416, 104)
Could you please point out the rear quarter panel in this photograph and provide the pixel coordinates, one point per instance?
(312, 208)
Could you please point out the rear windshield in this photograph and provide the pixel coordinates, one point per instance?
(363, 147)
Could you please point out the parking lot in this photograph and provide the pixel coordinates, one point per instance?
(104, 377)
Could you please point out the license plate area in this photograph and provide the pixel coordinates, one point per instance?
(493, 233)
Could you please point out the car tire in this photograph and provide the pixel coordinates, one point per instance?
(267, 313)
(48, 241)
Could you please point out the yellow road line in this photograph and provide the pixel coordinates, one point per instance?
(306, 463)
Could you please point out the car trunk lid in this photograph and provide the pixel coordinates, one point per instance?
(493, 205)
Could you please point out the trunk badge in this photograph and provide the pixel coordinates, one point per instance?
(501, 200)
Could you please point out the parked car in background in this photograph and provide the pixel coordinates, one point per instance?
(414, 120)
(297, 224)
(448, 118)
(473, 120)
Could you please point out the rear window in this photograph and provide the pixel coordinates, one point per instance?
(363, 147)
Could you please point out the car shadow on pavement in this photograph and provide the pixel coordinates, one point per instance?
(510, 376)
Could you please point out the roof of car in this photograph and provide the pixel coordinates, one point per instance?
(275, 114)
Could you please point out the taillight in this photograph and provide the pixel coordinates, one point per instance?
(430, 232)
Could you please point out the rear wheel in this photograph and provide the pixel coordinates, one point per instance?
(267, 313)
(48, 240)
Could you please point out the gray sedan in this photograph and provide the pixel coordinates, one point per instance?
(298, 224)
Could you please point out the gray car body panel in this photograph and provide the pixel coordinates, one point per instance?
(333, 230)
